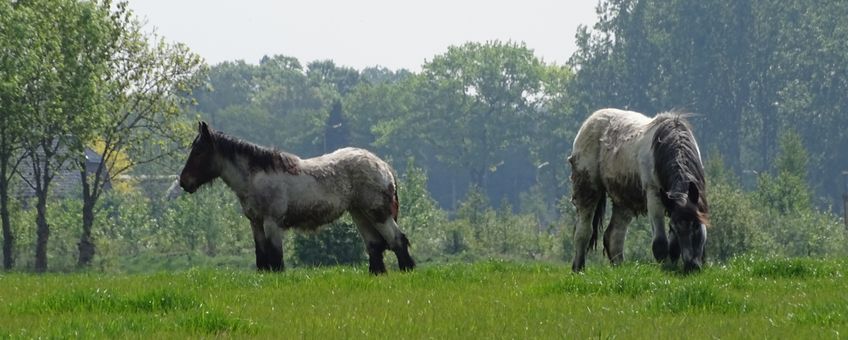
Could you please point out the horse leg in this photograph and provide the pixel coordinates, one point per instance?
(274, 246)
(588, 199)
(398, 243)
(616, 233)
(259, 242)
(375, 245)
(656, 213)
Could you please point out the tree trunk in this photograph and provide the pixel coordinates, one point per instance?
(8, 237)
(42, 232)
(86, 244)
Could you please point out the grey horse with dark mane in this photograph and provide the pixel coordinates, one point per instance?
(279, 191)
(646, 166)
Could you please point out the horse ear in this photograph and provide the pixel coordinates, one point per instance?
(694, 195)
(203, 129)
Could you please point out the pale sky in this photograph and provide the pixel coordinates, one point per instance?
(394, 34)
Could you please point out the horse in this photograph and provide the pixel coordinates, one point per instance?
(647, 166)
(280, 191)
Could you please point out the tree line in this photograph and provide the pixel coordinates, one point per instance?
(481, 122)
(74, 75)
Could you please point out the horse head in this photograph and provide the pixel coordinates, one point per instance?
(688, 227)
(200, 167)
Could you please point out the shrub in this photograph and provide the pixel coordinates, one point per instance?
(338, 243)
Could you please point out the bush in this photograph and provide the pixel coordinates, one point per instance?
(736, 224)
(420, 217)
(335, 244)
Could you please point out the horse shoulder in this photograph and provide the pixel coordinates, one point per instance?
(268, 194)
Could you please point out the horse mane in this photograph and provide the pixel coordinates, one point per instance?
(677, 160)
(258, 157)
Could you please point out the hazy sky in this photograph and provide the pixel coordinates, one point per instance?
(395, 34)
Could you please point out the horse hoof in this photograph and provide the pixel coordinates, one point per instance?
(660, 249)
(576, 268)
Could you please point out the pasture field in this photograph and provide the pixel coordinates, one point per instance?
(747, 298)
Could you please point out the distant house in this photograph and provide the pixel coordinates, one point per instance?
(66, 183)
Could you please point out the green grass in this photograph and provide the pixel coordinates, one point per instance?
(747, 298)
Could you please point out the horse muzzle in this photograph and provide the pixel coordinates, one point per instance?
(188, 187)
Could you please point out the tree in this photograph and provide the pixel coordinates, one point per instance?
(148, 84)
(420, 216)
(474, 104)
(16, 65)
(326, 73)
(336, 130)
(61, 99)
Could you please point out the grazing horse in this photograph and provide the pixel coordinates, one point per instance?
(279, 191)
(645, 165)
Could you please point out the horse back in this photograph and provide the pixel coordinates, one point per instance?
(357, 179)
(613, 149)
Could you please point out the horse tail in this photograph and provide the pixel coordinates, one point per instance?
(395, 205)
(598, 219)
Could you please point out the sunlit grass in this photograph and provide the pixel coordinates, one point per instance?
(749, 298)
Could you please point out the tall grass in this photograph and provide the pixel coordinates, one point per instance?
(771, 298)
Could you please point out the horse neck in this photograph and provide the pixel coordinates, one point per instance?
(235, 173)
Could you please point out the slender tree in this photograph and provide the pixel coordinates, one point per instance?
(15, 66)
(147, 85)
(61, 101)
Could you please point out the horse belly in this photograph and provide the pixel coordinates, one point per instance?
(627, 192)
(621, 180)
(310, 216)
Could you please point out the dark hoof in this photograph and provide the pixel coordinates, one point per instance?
(407, 264)
(577, 267)
(405, 261)
(674, 251)
(377, 271)
(660, 249)
(692, 267)
(270, 268)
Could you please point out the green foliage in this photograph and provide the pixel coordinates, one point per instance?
(735, 224)
(471, 104)
(146, 235)
(798, 228)
(64, 232)
(792, 159)
(482, 232)
(336, 244)
(420, 216)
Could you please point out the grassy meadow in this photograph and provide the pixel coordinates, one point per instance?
(747, 298)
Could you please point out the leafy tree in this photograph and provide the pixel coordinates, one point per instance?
(341, 80)
(147, 84)
(472, 105)
(787, 192)
(61, 101)
(16, 65)
(298, 110)
(420, 216)
(373, 113)
(336, 130)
